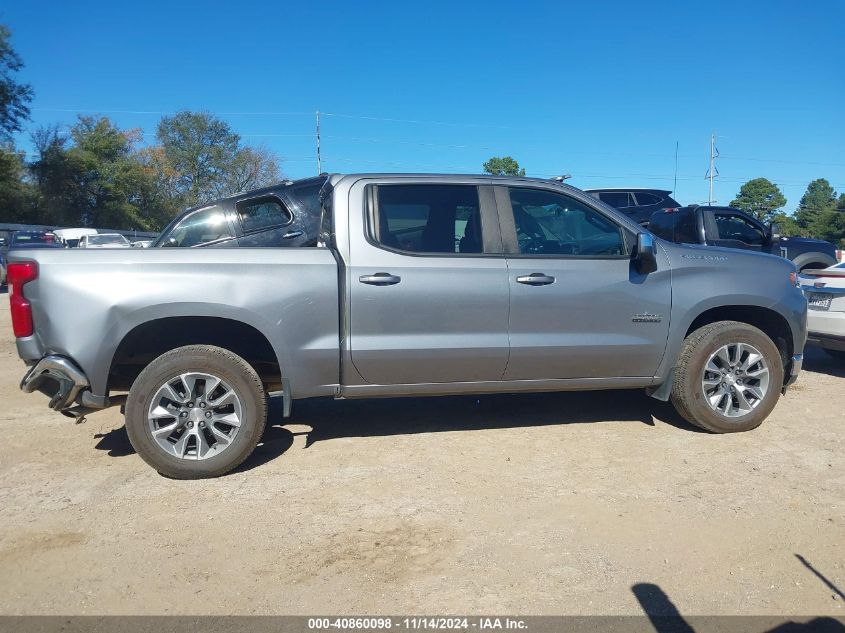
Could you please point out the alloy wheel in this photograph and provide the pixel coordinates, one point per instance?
(735, 380)
(195, 416)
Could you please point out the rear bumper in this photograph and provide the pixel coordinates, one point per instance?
(66, 384)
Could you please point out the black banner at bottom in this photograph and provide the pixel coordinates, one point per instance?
(407, 623)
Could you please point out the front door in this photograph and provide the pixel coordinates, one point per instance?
(736, 231)
(578, 307)
(428, 304)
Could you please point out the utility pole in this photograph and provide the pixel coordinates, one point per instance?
(675, 186)
(319, 162)
(713, 172)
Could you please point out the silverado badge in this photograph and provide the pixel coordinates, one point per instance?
(645, 317)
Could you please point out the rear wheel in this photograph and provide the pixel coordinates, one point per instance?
(728, 377)
(196, 411)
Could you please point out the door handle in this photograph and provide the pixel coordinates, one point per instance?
(291, 234)
(380, 279)
(536, 279)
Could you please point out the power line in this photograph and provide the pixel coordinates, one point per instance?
(416, 121)
(167, 112)
(153, 134)
(537, 174)
(366, 117)
(786, 161)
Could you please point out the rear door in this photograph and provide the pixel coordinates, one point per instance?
(578, 309)
(428, 287)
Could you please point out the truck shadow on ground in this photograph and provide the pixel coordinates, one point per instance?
(819, 361)
(332, 419)
(329, 419)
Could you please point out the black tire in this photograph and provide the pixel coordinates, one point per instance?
(687, 393)
(838, 354)
(235, 371)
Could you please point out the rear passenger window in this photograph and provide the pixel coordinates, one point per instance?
(646, 199)
(617, 199)
(428, 218)
(262, 213)
(675, 226)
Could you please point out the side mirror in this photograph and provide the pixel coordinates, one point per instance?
(774, 231)
(2, 241)
(645, 257)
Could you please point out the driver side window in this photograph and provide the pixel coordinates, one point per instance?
(735, 227)
(549, 223)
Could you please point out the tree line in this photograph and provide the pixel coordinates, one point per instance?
(96, 174)
(820, 212)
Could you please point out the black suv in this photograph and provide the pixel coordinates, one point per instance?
(287, 214)
(639, 204)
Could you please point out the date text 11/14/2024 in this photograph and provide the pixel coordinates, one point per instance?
(417, 623)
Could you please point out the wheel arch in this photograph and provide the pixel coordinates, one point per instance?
(765, 318)
(771, 322)
(813, 260)
(147, 339)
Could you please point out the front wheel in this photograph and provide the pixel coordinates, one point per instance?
(728, 378)
(196, 411)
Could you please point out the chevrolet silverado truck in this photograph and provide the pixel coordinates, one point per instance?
(732, 228)
(414, 285)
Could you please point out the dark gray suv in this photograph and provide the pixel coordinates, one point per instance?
(287, 214)
(638, 204)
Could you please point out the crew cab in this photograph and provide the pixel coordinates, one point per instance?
(732, 228)
(412, 285)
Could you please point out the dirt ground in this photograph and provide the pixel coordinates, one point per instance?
(529, 504)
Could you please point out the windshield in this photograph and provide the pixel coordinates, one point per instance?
(102, 240)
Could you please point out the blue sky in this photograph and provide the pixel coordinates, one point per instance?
(601, 90)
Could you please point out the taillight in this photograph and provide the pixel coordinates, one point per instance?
(18, 274)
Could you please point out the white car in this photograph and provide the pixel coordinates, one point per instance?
(825, 292)
(104, 240)
(70, 237)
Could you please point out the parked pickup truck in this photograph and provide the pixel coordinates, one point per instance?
(732, 228)
(415, 285)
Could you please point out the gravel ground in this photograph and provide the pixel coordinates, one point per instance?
(530, 504)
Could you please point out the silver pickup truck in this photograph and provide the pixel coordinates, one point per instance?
(413, 285)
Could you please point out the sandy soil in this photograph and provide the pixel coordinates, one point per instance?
(530, 504)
